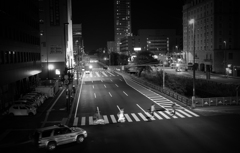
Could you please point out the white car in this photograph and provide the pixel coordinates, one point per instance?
(87, 72)
(21, 110)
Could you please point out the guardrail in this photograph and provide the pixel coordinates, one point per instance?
(200, 102)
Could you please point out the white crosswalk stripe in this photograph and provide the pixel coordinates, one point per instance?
(90, 120)
(164, 115)
(137, 117)
(105, 119)
(142, 116)
(113, 119)
(128, 118)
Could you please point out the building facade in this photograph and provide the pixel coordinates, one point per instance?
(20, 55)
(110, 46)
(122, 21)
(214, 35)
(157, 41)
(56, 37)
(78, 47)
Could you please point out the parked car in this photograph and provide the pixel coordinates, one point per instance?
(41, 93)
(26, 102)
(40, 97)
(21, 110)
(33, 98)
(53, 136)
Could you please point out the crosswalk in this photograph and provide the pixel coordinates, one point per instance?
(136, 117)
(100, 74)
(153, 96)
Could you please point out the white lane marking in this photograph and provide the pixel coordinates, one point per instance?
(97, 74)
(178, 114)
(184, 113)
(105, 119)
(116, 85)
(174, 116)
(128, 118)
(164, 115)
(90, 120)
(113, 119)
(83, 121)
(78, 99)
(192, 113)
(135, 117)
(150, 116)
(105, 86)
(118, 108)
(95, 95)
(110, 94)
(120, 79)
(75, 121)
(142, 116)
(49, 110)
(125, 93)
(111, 80)
(93, 87)
(111, 73)
(159, 117)
(104, 74)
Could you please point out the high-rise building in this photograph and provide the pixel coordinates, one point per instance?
(20, 55)
(78, 48)
(122, 21)
(214, 35)
(56, 37)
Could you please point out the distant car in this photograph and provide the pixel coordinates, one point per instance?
(53, 136)
(21, 110)
(87, 72)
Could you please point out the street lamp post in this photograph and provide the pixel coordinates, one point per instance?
(224, 58)
(192, 21)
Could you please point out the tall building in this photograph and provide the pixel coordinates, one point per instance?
(56, 37)
(20, 56)
(78, 48)
(122, 21)
(214, 35)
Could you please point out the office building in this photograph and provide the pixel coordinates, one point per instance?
(20, 56)
(122, 21)
(78, 47)
(56, 37)
(214, 35)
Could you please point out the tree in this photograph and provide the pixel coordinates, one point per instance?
(123, 59)
(144, 57)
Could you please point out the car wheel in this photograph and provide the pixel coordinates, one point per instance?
(30, 114)
(51, 146)
(80, 139)
(11, 114)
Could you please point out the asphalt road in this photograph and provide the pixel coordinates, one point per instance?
(187, 131)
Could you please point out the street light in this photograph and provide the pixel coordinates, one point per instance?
(192, 21)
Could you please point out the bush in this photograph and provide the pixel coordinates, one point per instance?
(184, 85)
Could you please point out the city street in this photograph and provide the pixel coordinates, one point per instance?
(108, 92)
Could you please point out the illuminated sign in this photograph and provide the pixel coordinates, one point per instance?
(137, 49)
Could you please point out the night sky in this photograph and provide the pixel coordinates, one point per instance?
(97, 18)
